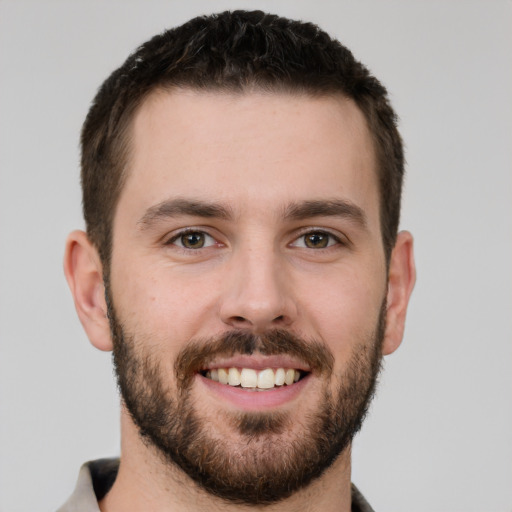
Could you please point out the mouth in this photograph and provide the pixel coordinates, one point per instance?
(251, 379)
(256, 382)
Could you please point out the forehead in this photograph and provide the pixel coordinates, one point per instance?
(249, 149)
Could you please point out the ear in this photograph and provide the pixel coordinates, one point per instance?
(401, 279)
(84, 273)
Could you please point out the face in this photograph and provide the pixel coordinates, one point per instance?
(247, 286)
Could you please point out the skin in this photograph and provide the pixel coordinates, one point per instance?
(255, 155)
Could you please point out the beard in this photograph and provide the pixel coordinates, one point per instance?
(272, 455)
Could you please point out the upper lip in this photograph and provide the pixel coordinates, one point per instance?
(258, 362)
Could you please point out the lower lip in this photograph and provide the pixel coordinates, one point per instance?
(251, 400)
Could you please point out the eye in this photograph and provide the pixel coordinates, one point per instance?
(316, 240)
(192, 240)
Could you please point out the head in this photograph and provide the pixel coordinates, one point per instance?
(242, 178)
(235, 53)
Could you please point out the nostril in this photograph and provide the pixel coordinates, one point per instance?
(257, 320)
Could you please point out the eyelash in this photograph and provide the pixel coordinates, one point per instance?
(311, 231)
(187, 231)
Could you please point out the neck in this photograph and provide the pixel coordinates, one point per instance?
(146, 482)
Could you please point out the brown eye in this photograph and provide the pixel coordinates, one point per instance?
(317, 240)
(193, 240)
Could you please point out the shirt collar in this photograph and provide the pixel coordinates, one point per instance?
(97, 477)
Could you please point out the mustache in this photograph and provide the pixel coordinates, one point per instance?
(199, 353)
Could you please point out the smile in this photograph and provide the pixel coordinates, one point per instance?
(251, 379)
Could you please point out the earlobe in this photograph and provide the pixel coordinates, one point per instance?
(401, 279)
(84, 274)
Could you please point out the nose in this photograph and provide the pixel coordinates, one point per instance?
(258, 293)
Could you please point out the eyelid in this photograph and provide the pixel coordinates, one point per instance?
(339, 238)
(171, 238)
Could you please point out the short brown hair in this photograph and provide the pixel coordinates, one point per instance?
(232, 52)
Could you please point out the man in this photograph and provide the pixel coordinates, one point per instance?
(241, 183)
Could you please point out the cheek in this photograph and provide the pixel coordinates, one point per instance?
(160, 303)
(345, 309)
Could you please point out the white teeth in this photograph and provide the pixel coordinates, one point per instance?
(280, 374)
(223, 376)
(250, 378)
(266, 379)
(289, 377)
(233, 377)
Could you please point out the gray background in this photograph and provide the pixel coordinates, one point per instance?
(439, 437)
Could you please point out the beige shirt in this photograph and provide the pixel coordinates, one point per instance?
(97, 477)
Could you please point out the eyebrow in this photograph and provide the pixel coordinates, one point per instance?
(293, 211)
(177, 207)
(326, 208)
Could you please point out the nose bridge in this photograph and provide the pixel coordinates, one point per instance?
(257, 294)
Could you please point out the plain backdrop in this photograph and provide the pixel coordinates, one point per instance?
(439, 435)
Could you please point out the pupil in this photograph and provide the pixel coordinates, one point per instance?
(193, 240)
(316, 240)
